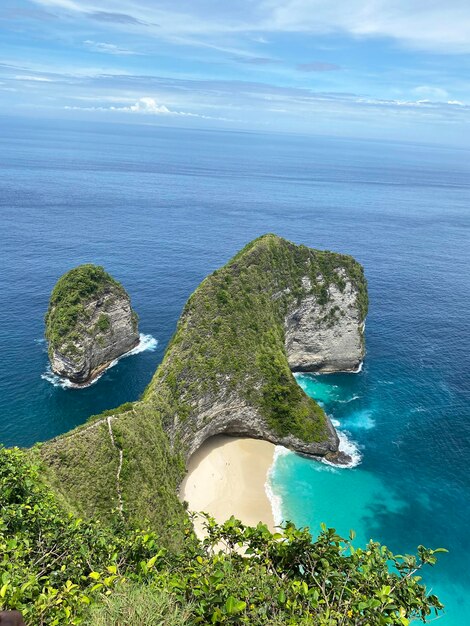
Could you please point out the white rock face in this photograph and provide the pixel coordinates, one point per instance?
(99, 342)
(326, 338)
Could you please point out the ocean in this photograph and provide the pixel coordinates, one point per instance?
(160, 208)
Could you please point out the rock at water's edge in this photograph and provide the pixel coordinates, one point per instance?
(89, 323)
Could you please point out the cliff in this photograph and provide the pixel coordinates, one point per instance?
(274, 307)
(89, 323)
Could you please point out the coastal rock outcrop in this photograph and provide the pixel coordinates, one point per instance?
(273, 308)
(89, 323)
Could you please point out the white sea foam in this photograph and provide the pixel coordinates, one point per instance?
(275, 500)
(359, 420)
(349, 400)
(55, 380)
(146, 343)
(346, 445)
(359, 368)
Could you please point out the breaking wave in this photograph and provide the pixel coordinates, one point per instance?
(346, 445)
(146, 343)
(275, 500)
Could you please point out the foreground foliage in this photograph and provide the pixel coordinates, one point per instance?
(60, 570)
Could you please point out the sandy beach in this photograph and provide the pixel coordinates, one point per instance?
(227, 476)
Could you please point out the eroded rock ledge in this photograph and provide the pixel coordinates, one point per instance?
(89, 323)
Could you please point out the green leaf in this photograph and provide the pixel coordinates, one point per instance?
(151, 562)
(233, 606)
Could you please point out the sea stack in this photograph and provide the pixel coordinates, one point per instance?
(89, 323)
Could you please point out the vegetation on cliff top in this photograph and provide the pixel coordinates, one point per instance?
(231, 332)
(60, 570)
(66, 317)
(229, 342)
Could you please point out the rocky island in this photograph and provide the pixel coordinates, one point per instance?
(275, 307)
(89, 323)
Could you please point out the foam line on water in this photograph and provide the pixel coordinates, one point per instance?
(146, 343)
(346, 445)
(275, 500)
(359, 368)
(348, 400)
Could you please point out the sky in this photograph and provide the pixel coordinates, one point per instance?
(392, 69)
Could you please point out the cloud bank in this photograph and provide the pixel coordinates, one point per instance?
(423, 24)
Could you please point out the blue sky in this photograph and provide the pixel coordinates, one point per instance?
(396, 69)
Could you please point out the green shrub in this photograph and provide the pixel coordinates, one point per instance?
(103, 324)
(60, 570)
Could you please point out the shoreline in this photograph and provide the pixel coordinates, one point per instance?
(229, 476)
(145, 342)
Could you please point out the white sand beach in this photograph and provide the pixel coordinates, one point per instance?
(227, 476)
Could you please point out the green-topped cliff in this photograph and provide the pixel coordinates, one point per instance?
(89, 323)
(91, 529)
(226, 370)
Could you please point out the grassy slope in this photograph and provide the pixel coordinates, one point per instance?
(230, 335)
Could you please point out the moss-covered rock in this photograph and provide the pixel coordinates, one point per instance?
(89, 323)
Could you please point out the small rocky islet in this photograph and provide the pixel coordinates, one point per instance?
(90, 323)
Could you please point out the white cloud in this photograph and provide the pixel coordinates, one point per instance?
(147, 106)
(433, 93)
(425, 24)
(36, 79)
(107, 48)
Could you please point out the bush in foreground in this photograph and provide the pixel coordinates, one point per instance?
(61, 570)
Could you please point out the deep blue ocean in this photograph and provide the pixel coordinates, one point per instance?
(160, 208)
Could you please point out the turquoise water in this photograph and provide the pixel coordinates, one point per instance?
(386, 494)
(161, 208)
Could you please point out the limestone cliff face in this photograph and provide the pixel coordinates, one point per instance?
(274, 309)
(90, 322)
(231, 415)
(326, 338)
